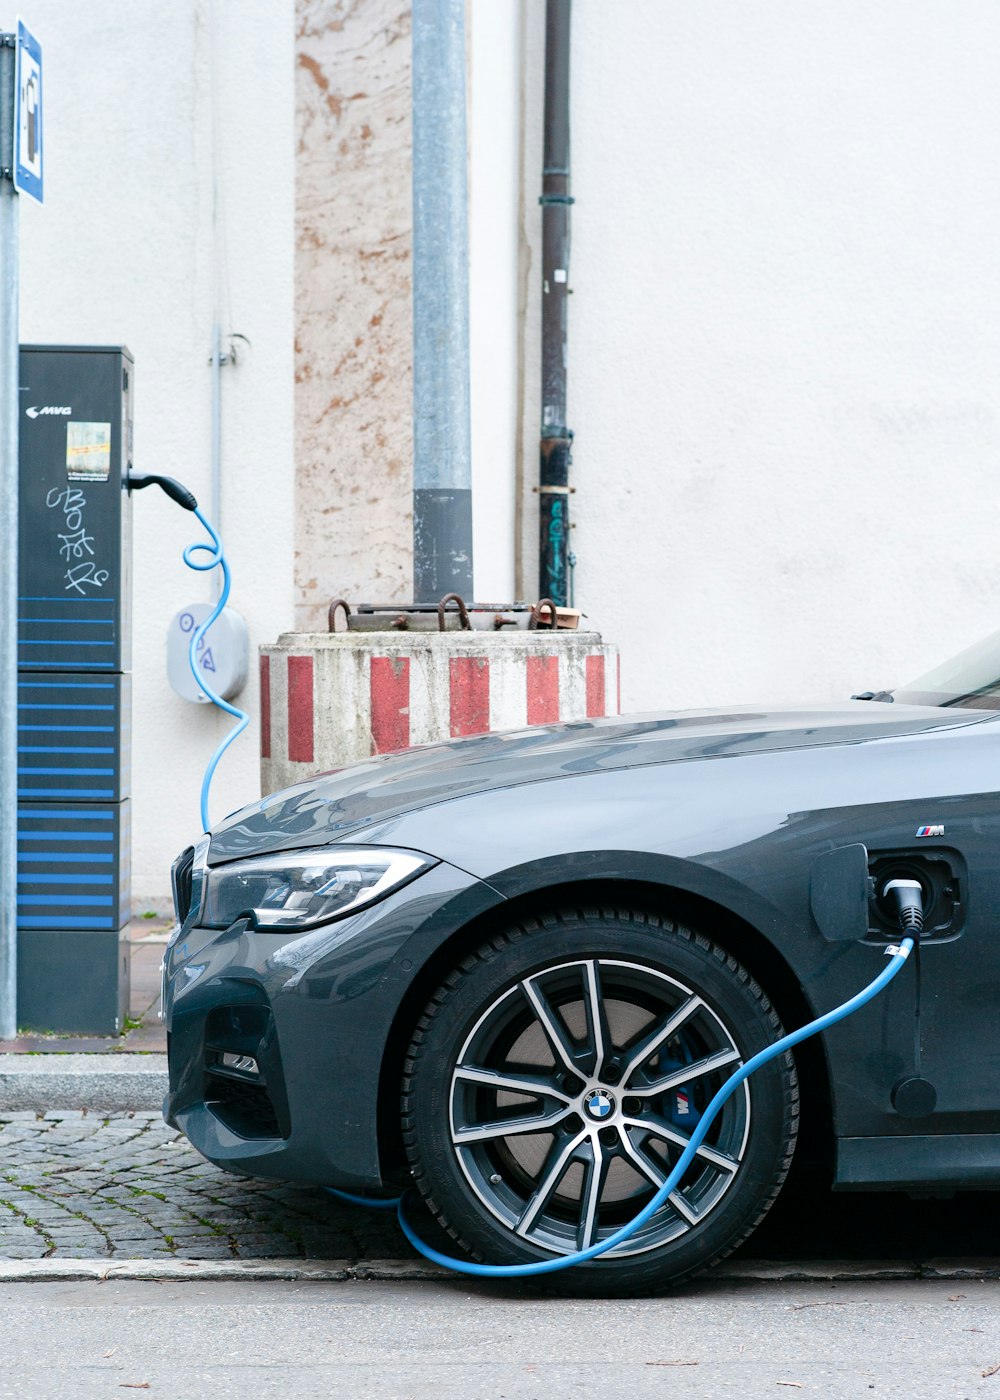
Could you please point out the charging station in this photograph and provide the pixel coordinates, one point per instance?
(74, 688)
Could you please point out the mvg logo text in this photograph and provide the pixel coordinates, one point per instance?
(37, 412)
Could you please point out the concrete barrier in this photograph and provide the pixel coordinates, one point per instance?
(329, 699)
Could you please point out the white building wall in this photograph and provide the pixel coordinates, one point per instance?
(126, 250)
(784, 340)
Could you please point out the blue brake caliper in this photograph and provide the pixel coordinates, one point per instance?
(679, 1104)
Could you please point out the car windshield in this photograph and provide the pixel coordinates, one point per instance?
(970, 680)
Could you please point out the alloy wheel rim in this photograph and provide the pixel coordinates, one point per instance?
(575, 1093)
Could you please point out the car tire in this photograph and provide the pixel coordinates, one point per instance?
(554, 1078)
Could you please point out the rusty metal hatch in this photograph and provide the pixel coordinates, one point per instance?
(451, 614)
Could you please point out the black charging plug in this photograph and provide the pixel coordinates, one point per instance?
(909, 898)
(176, 492)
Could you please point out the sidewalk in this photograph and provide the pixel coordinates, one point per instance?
(143, 1029)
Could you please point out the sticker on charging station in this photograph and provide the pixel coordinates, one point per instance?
(88, 451)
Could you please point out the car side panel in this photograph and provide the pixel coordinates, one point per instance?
(745, 834)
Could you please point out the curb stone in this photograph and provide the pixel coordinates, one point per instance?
(216, 1270)
(415, 1270)
(116, 1083)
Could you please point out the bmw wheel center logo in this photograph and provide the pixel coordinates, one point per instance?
(599, 1104)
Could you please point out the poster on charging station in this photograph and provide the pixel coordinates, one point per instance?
(28, 141)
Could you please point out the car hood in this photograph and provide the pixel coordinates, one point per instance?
(340, 805)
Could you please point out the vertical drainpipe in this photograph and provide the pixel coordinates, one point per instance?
(442, 449)
(555, 201)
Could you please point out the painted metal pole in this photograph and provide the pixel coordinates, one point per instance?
(554, 456)
(9, 378)
(442, 436)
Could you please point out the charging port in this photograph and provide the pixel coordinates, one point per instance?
(941, 877)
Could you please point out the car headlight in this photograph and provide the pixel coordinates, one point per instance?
(302, 889)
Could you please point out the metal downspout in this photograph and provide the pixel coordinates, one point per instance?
(442, 445)
(554, 459)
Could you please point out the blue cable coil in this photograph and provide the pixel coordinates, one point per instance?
(216, 560)
(898, 956)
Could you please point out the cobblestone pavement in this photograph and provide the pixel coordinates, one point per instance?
(78, 1185)
(124, 1186)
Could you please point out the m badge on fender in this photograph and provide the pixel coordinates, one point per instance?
(931, 830)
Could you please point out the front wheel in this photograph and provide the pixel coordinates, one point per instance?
(556, 1077)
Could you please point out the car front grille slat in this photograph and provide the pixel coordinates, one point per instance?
(181, 881)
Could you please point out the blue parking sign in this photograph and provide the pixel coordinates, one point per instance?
(28, 147)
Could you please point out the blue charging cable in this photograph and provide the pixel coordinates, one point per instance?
(216, 559)
(138, 481)
(374, 1202)
(898, 956)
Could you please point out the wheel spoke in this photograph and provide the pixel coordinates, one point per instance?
(649, 1046)
(640, 1160)
(510, 1127)
(556, 1166)
(597, 1022)
(682, 1208)
(593, 1188)
(657, 1177)
(515, 1083)
(685, 1075)
(557, 1037)
(656, 1128)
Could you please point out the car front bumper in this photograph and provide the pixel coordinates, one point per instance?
(281, 1044)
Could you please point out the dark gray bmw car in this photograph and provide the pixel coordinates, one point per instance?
(512, 970)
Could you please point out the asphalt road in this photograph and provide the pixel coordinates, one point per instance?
(375, 1341)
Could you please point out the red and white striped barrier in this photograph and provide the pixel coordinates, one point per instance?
(329, 699)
